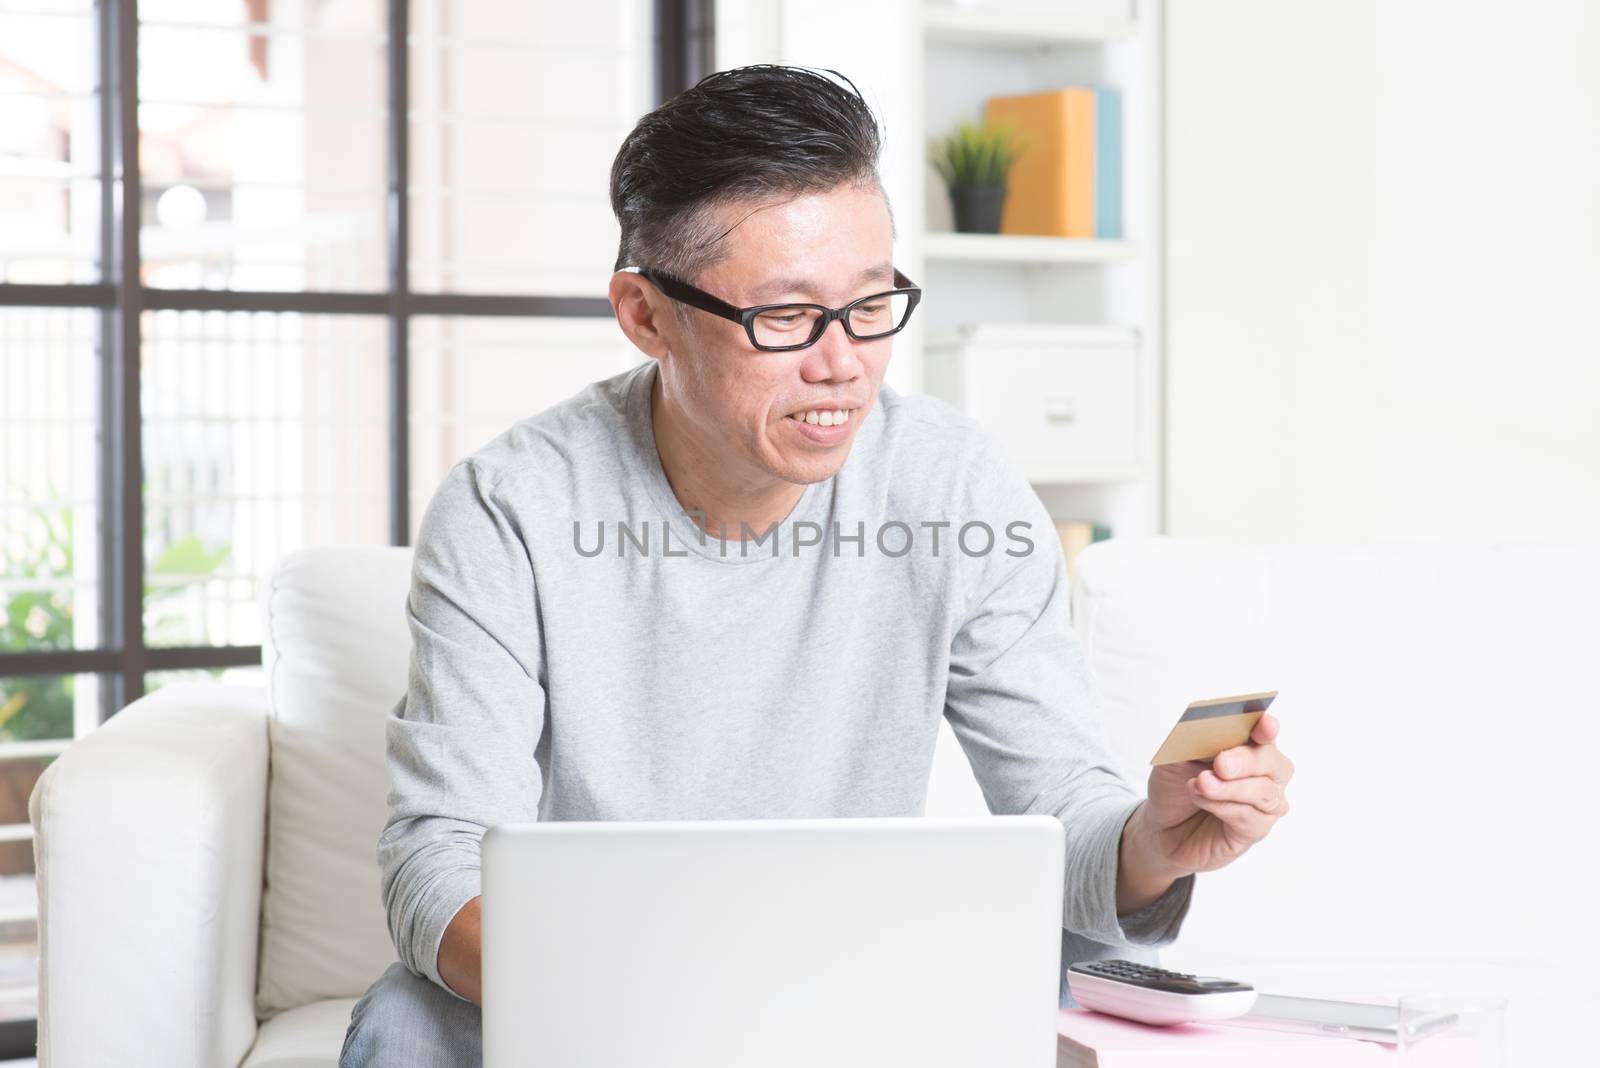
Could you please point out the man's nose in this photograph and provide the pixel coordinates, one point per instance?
(834, 356)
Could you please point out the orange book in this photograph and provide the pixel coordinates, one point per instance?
(1051, 186)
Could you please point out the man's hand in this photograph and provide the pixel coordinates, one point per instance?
(1202, 815)
(1205, 814)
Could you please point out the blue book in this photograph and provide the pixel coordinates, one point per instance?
(1107, 162)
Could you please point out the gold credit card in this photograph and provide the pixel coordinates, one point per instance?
(1208, 727)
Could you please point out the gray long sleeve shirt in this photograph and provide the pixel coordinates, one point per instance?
(675, 675)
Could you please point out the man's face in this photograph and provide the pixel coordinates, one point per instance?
(740, 403)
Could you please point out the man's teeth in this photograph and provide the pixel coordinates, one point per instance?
(833, 418)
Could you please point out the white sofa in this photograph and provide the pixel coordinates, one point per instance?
(206, 860)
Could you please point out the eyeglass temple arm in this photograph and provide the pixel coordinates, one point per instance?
(902, 282)
(688, 294)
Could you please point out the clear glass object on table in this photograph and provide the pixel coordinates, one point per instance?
(1458, 1028)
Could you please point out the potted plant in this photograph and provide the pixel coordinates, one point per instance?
(974, 160)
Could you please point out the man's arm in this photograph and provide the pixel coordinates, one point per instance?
(1019, 701)
(461, 744)
(461, 954)
(1142, 876)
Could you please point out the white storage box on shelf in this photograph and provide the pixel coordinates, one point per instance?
(1063, 399)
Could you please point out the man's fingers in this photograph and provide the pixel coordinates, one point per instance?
(1261, 792)
(1246, 821)
(1266, 728)
(1243, 761)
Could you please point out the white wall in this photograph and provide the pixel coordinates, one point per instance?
(1384, 269)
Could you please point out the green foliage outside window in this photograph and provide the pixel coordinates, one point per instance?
(41, 706)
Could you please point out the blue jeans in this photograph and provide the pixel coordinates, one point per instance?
(405, 1021)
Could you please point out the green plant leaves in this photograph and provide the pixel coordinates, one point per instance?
(184, 558)
(975, 155)
(40, 548)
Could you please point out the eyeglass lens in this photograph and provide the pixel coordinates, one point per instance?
(795, 324)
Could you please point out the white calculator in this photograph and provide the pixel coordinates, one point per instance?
(1154, 995)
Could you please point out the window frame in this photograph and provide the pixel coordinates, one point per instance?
(682, 54)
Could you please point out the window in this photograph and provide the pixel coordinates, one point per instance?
(338, 221)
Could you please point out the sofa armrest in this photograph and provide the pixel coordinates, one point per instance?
(148, 838)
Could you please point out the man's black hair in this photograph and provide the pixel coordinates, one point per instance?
(759, 134)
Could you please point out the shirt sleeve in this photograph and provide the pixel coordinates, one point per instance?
(1019, 702)
(461, 742)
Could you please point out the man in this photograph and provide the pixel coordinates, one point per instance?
(746, 579)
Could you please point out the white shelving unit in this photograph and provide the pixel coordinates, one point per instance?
(1001, 248)
(976, 50)
(1026, 26)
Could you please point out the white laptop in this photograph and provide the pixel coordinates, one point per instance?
(884, 942)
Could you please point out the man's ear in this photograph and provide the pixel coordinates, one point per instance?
(641, 311)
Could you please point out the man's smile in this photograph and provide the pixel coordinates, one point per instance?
(822, 416)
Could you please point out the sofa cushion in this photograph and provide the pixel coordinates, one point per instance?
(1434, 700)
(336, 652)
(308, 1037)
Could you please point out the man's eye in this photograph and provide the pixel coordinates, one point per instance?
(782, 319)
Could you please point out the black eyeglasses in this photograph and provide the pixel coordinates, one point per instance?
(786, 327)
